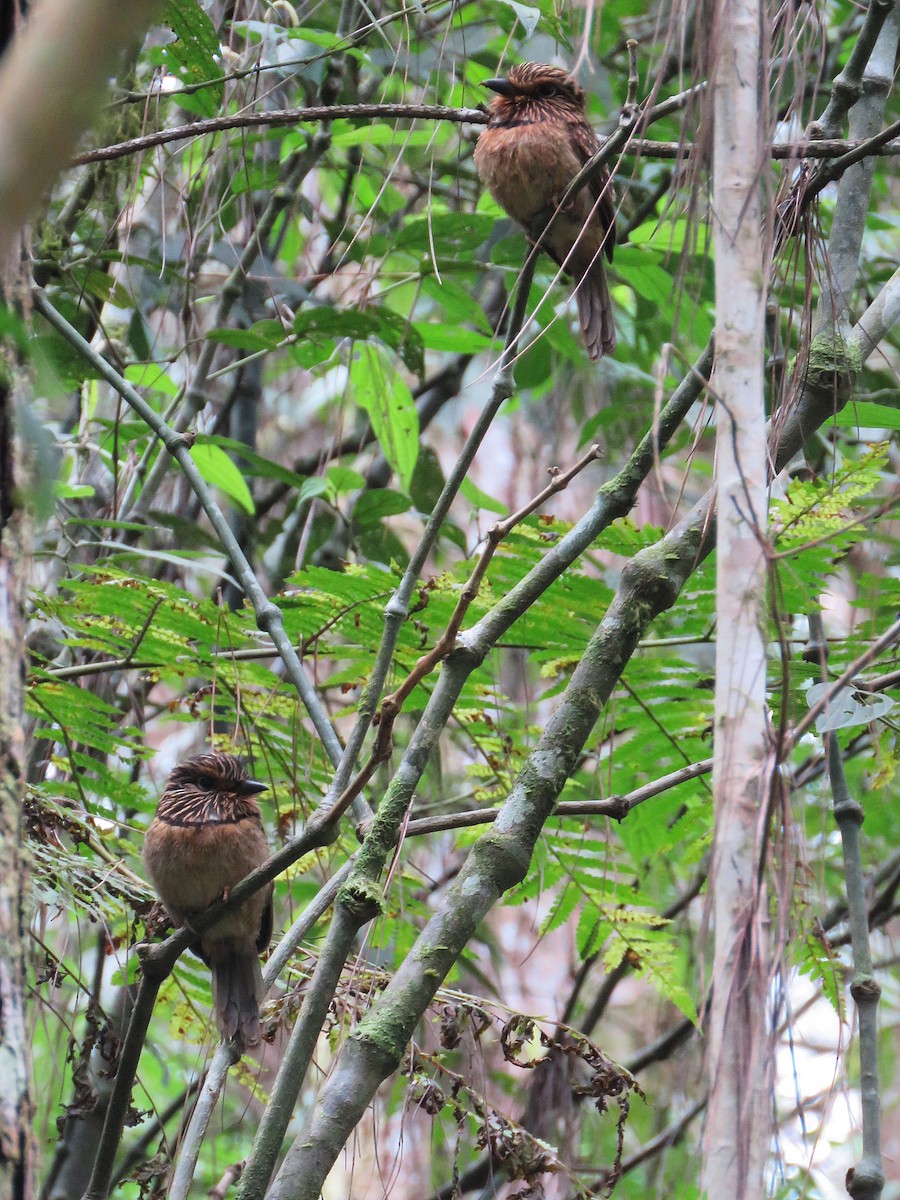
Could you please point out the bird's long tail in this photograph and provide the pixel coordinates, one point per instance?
(595, 311)
(237, 990)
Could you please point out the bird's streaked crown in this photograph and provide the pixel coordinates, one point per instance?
(537, 81)
(209, 789)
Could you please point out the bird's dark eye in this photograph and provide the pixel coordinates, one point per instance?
(546, 89)
(207, 783)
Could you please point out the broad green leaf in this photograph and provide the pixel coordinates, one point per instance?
(380, 135)
(103, 286)
(439, 229)
(129, 974)
(376, 503)
(671, 237)
(345, 479)
(317, 485)
(863, 414)
(256, 465)
(69, 367)
(218, 469)
(481, 499)
(263, 335)
(644, 273)
(373, 322)
(379, 389)
(151, 375)
(193, 55)
(72, 491)
(452, 338)
(457, 301)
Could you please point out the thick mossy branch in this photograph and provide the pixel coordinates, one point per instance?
(653, 579)
(832, 365)
(828, 375)
(381, 835)
(361, 898)
(501, 857)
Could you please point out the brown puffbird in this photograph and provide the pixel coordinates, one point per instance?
(536, 141)
(206, 836)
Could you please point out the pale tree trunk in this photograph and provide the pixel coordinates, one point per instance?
(15, 1102)
(739, 1051)
(72, 46)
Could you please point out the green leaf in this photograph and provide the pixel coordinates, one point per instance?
(130, 974)
(378, 135)
(815, 961)
(64, 361)
(14, 328)
(304, 34)
(102, 286)
(72, 491)
(218, 470)
(345, 479)
(317, 485)
(865, 415)
(318, 37)
(642, 271)
(440, 229)
(262, 335)
(561, 909)
(590, 931)
(379, 389)
(376, 503)
(458, 303)
(85, 717)
(427, 481)
(375, 322)
(645, 938)
(256, 464)
(452, 338)
(671, 237)
(151, 375)
(481, 499)
(193, 54)
(816, 509)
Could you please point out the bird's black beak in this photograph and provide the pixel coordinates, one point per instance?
(249, 787)
(501, 86)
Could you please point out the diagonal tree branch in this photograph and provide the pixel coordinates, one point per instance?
(650, 584)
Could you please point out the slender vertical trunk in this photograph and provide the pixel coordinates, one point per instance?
(739, 1044)
(15, 1099)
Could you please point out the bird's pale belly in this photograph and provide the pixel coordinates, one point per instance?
(527, 167)
(192, 867)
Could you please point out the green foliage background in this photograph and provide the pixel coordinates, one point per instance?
(379, 282)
